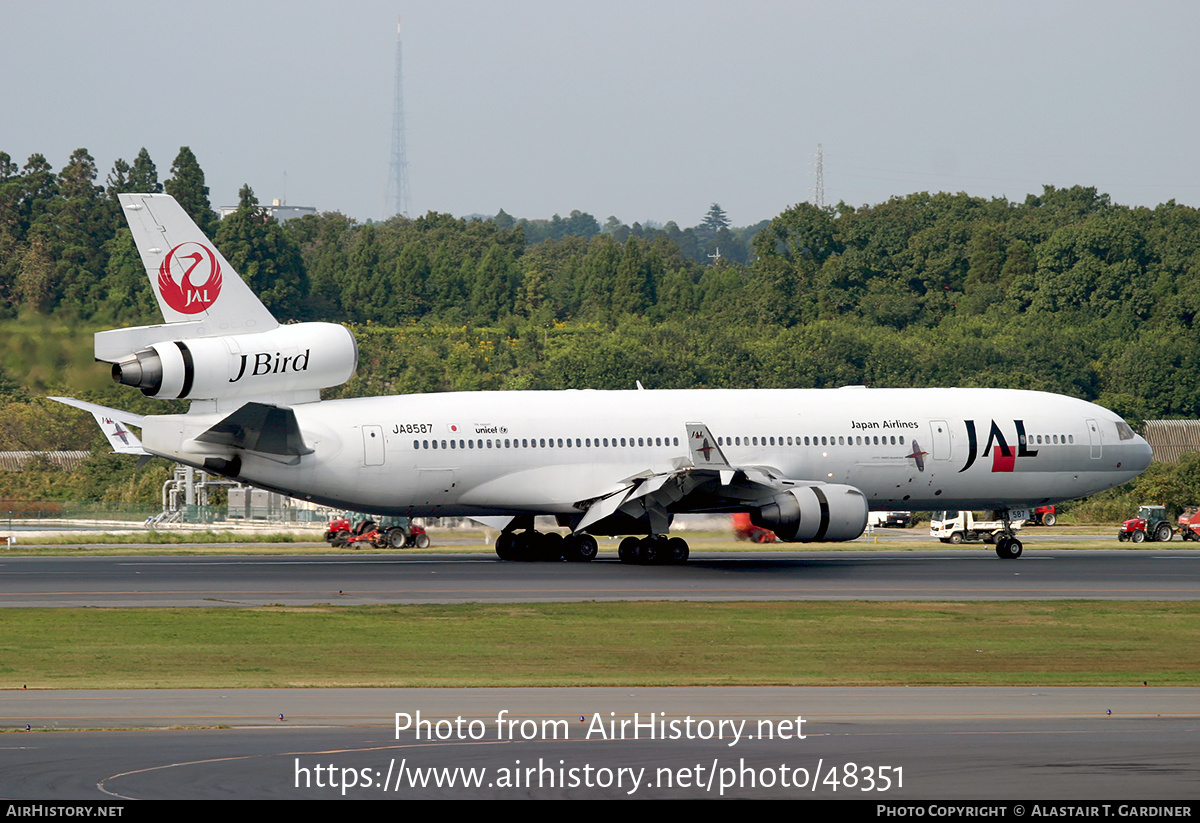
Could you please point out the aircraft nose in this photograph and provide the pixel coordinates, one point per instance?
(1142, 454)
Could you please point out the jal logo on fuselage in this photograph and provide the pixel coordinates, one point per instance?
(266, 363)
(189, 278)
(1004, 457)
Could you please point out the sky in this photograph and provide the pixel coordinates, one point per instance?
(647, 111)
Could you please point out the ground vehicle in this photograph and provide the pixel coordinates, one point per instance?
(743, 529)
(1151, 523)
(394, 532)
(889, 520)
(1043, 516)
(1189, 523)
(336, 527)
(962, 527)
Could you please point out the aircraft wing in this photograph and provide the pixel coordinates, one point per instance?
(704, 482)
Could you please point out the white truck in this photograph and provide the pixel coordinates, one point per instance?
(962, 527)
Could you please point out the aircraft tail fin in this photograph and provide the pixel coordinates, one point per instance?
(191, 279)
(220, 344)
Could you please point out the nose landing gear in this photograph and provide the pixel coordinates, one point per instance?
(1008, 547)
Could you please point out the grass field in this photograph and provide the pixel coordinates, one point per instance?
(604, 644)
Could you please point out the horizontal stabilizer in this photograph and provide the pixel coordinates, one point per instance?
(260, 427)
(128, 418)
(114, 423)
(123, 440)
(120, 438)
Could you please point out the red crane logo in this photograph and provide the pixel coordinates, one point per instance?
(189, 278)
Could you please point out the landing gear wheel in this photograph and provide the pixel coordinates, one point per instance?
(529, 543)
(1138, 536)
(630, 550)
(1008, 548)
(1162, 533)
(580, 548)
(677, 550)
(506, 546)
(650, 550)
(549, 547)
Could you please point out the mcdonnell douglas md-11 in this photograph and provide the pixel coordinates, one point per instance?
(808, 464)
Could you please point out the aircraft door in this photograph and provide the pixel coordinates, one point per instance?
(1094, 439)
(940, 432)
(373, 452)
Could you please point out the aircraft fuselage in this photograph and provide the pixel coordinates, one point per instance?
(511, 453)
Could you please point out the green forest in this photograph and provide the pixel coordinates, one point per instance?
(1063, 291)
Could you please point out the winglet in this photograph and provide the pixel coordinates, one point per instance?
(706, 454)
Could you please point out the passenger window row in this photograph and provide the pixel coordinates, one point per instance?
(1050, 439)
(841, 440)
(548, 443)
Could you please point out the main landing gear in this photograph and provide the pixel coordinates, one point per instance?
(1008, 547)
(551, 546)
(657, 548)
(533, 545)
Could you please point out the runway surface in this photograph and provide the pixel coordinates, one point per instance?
(873, 744)
(356, 579)
(884, 744)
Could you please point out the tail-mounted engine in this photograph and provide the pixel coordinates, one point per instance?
(814, 514)
(287, 358)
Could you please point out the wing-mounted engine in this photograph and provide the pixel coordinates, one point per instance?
(286, 359)
(814, 514)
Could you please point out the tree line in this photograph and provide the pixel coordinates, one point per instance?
(1064, 290)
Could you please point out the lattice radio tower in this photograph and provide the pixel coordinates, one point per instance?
(819, 179)
(397, 196)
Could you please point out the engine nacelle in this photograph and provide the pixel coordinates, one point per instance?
(814, 514)
(285, 359)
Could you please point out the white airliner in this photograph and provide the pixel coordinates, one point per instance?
(807, 464)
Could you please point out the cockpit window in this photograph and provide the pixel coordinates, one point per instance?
(1124, 431)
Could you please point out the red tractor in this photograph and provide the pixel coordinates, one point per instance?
(743, 529)
(1189, 523)
(1042, 516)
(1151, 523)
(396, 533)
